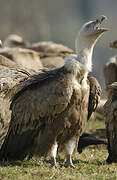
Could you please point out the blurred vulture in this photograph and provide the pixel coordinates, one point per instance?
(14, 40)
(110, 110)
(110, 68)
(50, 111)
(51, 54)
(24, 57)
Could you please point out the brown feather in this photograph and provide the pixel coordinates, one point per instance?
(50, 104)
(110, 111)
(95, 93)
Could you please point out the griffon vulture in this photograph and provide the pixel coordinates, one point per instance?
(51, 109)
(110, 110)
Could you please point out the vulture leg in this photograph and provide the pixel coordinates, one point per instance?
(53, 155)
(69, 163)
(69, 148)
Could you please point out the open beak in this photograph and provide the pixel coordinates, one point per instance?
(97, 25)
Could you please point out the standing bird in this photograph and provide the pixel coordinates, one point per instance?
(51, 109)
(110, 111)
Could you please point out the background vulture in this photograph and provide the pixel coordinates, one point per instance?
(26, 58)
(51, 109)
(14, 40)
(110, 110)
(49, 53)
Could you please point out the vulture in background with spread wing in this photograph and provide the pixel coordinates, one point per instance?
(110, 110)
(51, 109)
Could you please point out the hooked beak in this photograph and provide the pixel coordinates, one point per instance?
(97, 25)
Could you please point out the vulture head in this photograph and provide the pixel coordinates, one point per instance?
(89, 33)
(14, 40)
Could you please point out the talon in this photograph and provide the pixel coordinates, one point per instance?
(54, 166)
(69, 163)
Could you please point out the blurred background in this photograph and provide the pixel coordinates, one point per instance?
(59, 21)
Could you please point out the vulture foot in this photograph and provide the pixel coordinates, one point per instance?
(69, 163)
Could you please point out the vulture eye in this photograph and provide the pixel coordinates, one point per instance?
(96, 27)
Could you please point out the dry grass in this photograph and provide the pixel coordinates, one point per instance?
(90, 165)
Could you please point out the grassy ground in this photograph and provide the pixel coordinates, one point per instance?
(90, 165)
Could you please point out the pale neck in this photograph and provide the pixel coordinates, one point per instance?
(85, 58)
(84, 43)
(84, 50)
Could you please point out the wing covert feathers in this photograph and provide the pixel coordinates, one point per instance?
(94, 97)
(42, 97)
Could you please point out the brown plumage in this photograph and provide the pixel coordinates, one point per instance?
(110, 111)
(95, 93)
(51, 108)
(50, 114)
(11, 78)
